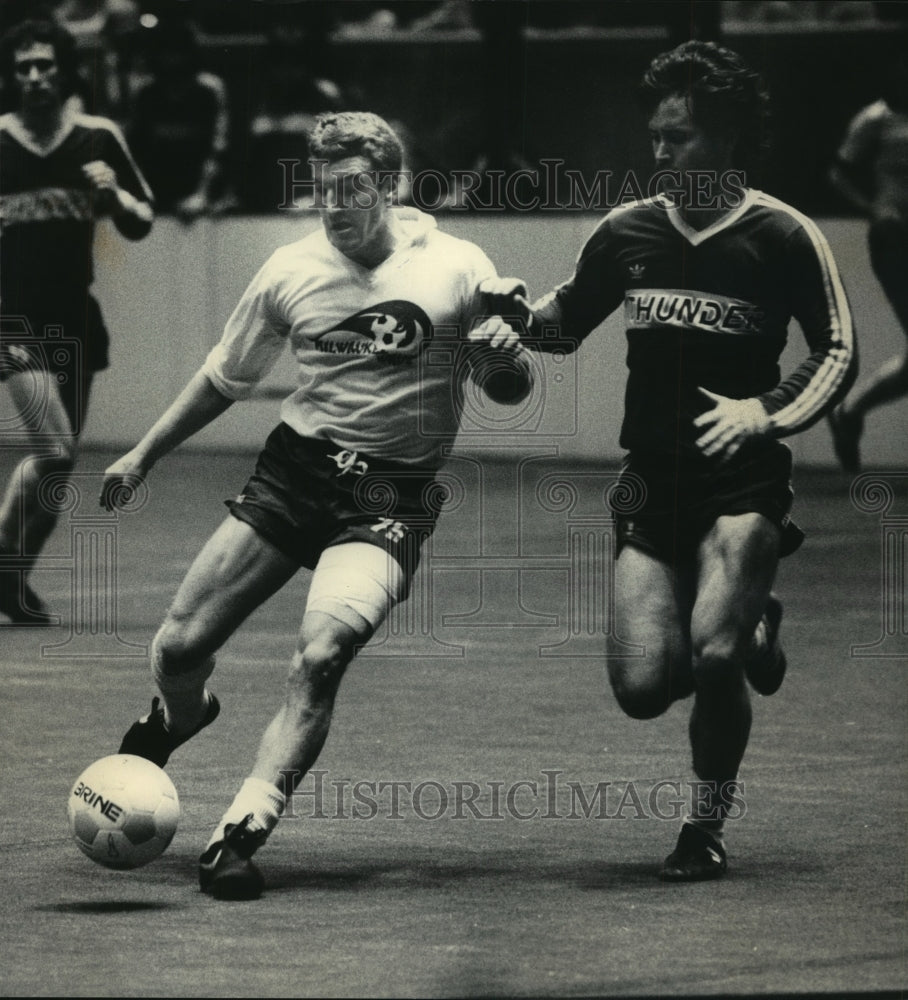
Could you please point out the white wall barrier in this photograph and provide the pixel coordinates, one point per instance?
(166, 298)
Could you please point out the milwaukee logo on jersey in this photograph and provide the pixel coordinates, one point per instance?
(648, 308)
(386, 328)
(45, 204)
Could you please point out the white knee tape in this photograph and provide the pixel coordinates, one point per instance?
(356, 577)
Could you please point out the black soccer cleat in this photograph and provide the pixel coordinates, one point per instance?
(21, 604)
(225, 869)
(846, 429)
(766, 670)
(697, 857)
(150, 738)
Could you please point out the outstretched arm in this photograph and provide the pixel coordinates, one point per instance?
(561, 320)
(196, 407)
(547, 325)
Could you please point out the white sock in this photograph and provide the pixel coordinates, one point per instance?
(264, 800)
(759, 642)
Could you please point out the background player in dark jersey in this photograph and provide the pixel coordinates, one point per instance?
(360, 301)
(59, 172)
(871, 171)
(710, 274)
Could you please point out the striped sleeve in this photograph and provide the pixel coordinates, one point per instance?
(118, 156)
(564, 317)
(820, 305)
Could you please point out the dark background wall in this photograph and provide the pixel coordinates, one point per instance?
(576, 96)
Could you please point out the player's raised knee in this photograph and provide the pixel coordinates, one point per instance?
(320, 659)
(718, 661)
(180, 643)
(638, 697)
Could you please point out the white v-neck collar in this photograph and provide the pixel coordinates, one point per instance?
(19, 132)
(697, 236)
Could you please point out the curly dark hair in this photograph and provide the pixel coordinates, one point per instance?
(725, 96)
(336, 135)
(40, 31)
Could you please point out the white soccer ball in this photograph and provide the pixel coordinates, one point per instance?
(123, 811)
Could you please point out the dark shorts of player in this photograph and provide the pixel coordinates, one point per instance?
(307, 494)
(888, 242)
(668, 510)
(63, 335)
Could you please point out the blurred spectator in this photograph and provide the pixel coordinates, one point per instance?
(292, 87)
(102, 30)
(367, 19)
(179, 124)
(449, 15)
(493, 144)
(846, 12)
(801, 12)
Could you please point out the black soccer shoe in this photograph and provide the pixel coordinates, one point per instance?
(225, 869)
(697, 857)
(846, 431)
(21, 604)
(766, 671)
(150, 738)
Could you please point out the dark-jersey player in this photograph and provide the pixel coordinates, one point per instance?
(710, 273)
(59, 172)
(871, 171)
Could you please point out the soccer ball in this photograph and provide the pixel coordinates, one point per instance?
(123, 811)
(505, 378)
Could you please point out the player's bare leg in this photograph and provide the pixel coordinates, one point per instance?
(888, 240)
(886, 385)
(295, 736)
(348, 577)
(26, 518)
(737, 564)
(889, 383)
(652, 609)
(236, 571)
(289, 747)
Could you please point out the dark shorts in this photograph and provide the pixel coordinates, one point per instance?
(668, 509)
(65, 337)
(307, 494)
